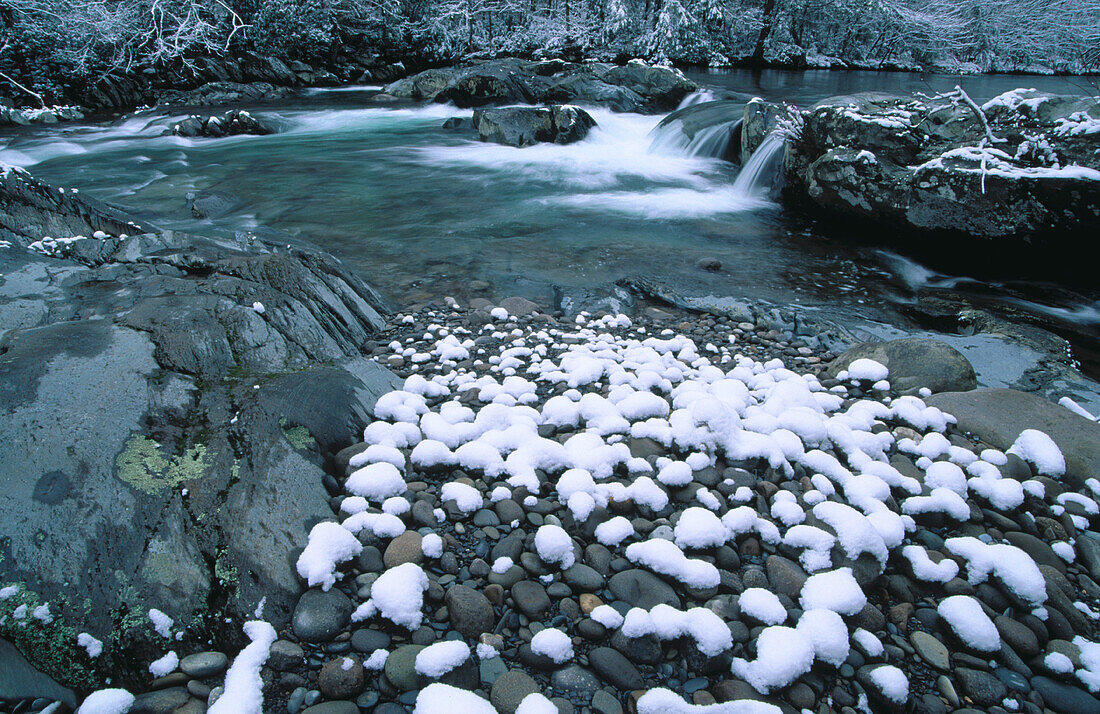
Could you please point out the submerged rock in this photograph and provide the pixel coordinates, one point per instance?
(524, 126)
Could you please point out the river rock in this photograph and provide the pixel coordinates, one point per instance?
(914, 362)
(509, 690)
(1065, 698)
(341, 678)
(333, 708)
(615, 669)
(320, 615)
(931, 650)
(575, 680)
(203, 664)
(524, 126)
(640, 588)
(982, 687)
(400, 668)
(405, 548)
(997, 416)
(531, 599)
(471, 612)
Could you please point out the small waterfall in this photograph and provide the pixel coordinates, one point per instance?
(707, 129)
(703, 95)
(757, 174)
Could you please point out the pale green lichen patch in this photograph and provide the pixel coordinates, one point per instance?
(298, 436)
(143, 465)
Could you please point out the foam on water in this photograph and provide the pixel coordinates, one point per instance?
(611, 169)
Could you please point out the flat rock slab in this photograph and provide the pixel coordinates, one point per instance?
(997, 416)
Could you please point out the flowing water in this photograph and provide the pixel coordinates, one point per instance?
(421, 212)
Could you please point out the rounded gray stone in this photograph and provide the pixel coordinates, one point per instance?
(641, 588)
(203, 664)
(510, 688)
(319, 616)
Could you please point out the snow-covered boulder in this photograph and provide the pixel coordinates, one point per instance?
(1024, 166)
(524, 126)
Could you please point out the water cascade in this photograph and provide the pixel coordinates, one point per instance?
(703, 95)
(758, 173)
(709, 130)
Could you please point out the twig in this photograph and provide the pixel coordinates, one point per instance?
(31, 92)
(961, 94)
(981, 145)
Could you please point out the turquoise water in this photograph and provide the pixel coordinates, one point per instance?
(421, 212)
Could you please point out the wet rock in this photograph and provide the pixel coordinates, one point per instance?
(524, 126)
(320, 616)
(233, 123)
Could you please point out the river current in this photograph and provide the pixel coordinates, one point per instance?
(421, 212)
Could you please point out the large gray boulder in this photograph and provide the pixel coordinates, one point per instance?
(997, 416)
(525, 126)
(634, 87)
(914, 362)
(169, 402)
(926, 164)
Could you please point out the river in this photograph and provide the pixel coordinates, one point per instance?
(421, 212)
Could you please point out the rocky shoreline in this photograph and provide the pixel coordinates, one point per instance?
(573, 510)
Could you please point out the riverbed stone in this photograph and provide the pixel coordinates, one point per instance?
(470, 611)
(914, 362)
(405, 548)
(615, 669)
(931, 650)
(341, 678)
(1065, 698)
(531, 598)
(320, 615)
(509, 690)
(640, 588)
(203, 664)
